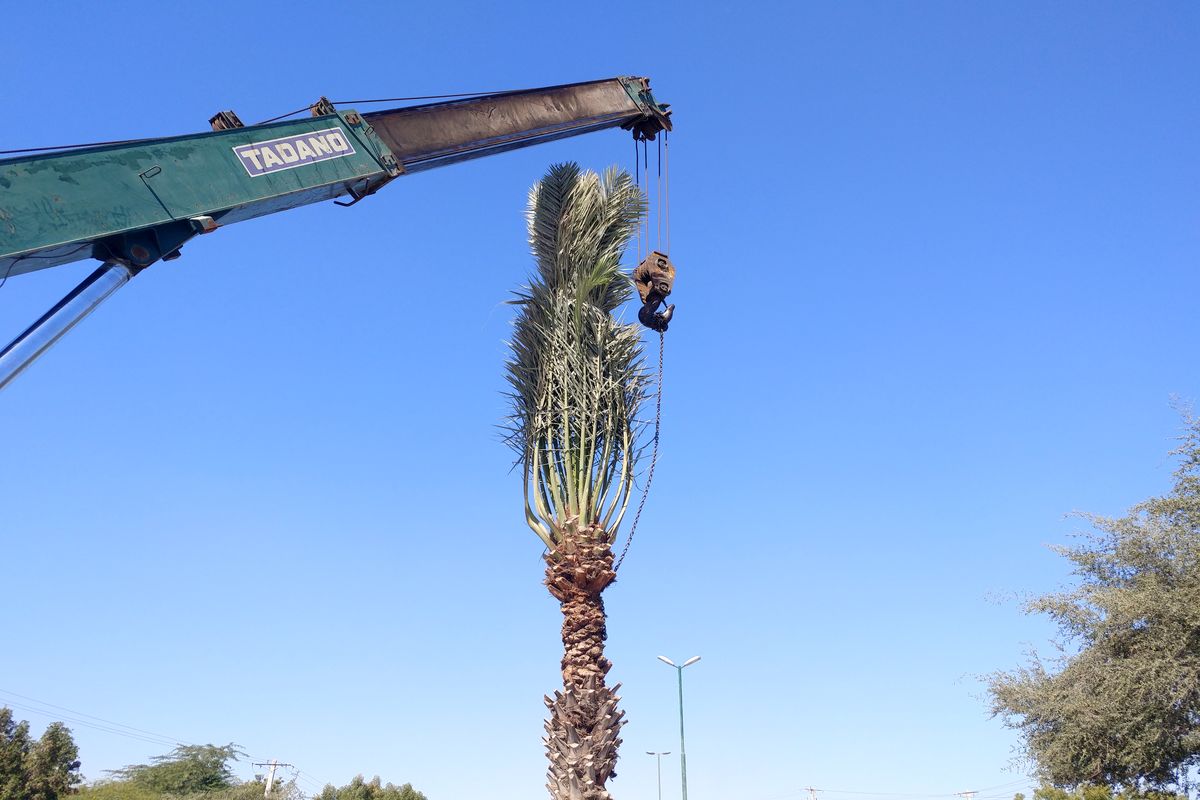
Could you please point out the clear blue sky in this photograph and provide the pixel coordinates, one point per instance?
(938, 280)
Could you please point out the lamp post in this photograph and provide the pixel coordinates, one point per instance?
(658, 758)
(682, 750)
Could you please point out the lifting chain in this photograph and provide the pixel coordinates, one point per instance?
(653, 456)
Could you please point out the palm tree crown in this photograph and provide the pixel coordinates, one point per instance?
(577, 373)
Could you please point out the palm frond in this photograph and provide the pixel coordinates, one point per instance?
(576, 374)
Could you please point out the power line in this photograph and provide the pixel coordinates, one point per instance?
(309, 779)
(1006, 785)
(81, 714)
(128, 731)
(93, 726)
(94, 722)
(888, 794)
(89, 721)
(972, 793)
(975, 794)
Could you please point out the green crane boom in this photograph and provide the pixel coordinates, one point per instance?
(130, 204)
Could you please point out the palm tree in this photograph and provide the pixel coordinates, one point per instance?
(578, 379)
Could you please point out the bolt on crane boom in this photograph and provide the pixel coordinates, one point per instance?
(131, 204)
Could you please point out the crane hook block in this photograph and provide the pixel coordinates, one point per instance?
(654, 279)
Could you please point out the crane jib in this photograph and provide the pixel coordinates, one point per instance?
(130, 204)
(141, 201)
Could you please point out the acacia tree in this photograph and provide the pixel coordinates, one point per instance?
(188, 769)
(577, 381)
(1124, 709)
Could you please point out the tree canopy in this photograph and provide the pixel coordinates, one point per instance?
(48, 769)
(1093, 791)
(1121, 705)
(45, 769)
(188, 769)
(189, 772)
(359, 789)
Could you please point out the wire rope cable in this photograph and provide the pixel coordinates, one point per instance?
(20, 150)
(659, 192)
(667, 192)
(637, 181)
(646, 172)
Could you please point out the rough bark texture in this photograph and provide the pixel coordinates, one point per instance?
(582, 734)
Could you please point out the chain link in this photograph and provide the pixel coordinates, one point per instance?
(654, 455)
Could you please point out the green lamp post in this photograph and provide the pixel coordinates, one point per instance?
(658, 758)
(682, 750)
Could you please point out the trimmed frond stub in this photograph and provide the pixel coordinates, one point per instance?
(576, 374)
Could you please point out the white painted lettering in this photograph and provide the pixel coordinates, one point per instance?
(287, 153)
(338, 142)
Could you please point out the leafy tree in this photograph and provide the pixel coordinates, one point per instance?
(1093, 791)
(188, 769)
(359, 789)
(577, 381)
(119, 790)
(43, 770)
(1124, 709)
(253, 790)
(189, 772)
(14, 747)
(248, 790)
(53, 764)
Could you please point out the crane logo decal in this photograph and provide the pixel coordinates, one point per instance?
(287, 152)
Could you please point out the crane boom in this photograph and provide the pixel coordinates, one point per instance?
(130, 204)
(140, 201)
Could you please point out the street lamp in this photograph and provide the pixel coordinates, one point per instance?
(658, 758)
(682, 750)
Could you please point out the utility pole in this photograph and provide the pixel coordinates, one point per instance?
(812, 793)
(273, 764)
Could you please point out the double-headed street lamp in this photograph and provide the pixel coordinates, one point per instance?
(658, 758)
(682, 749)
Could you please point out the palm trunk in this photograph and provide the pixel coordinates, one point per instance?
(582, 734)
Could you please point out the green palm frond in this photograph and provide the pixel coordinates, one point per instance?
(576, 374)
